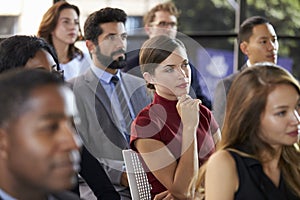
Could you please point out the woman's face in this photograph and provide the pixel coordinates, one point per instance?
(279, 121)
(67, 28)
(43, 60)
(172, 77)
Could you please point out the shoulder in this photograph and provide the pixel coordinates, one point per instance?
(222, 164)
(66, 195)
(221, 174)
(222, 157)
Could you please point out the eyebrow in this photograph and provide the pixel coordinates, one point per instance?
(51, 116)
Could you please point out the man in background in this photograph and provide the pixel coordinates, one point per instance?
(162, 20)
(258, 41)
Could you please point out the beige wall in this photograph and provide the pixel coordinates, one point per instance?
(30, 12)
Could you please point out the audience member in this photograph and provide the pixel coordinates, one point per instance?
(174, 134)
(39, 152)
(27, 51)
(257, 153)
(60, 28)
(32, 52)
(162, 20)
(104, 124)
(258, 41)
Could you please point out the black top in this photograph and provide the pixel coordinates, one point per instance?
(255, 184)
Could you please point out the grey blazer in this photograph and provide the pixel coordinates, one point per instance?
(220, 95)
(99, 129)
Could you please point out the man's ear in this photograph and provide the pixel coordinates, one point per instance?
(3, 143)
(244, 47)
(147, 76)
(90, 46)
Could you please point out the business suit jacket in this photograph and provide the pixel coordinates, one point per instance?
(220, 96)
(99, 129)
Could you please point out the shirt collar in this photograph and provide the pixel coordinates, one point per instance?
(103, 75)
(5, 196)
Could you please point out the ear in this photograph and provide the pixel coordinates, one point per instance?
(90, 46)
(3, 143)
(244, 48)
(147, 29)
(148, 77)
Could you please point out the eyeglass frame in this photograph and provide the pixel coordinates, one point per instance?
(163, 24)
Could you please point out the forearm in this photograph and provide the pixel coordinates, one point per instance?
(188, 166)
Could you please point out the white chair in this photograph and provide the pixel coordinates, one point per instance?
(137, 178)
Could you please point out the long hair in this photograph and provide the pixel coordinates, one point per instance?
(246, 102)
(49, 23)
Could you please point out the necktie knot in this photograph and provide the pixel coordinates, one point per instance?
(114, 79)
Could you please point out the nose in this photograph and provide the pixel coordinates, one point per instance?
(181, 72)
(69, 138)
(120, 42)
(273, 45)
(297, 116)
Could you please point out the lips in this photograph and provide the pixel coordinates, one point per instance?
(293, 133)
(183, 85)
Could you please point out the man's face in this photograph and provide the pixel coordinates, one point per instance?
(163, 24)
(262, 45)
(42, 148)
(111, 48)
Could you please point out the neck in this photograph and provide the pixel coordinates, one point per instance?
(61, 50)
(271, 166)
(100, 66)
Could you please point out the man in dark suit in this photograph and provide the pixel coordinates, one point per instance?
(162, 20)
(258, 41)
(107, 98)
(39, 150)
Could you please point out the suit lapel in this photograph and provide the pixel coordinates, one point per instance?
(93, 83)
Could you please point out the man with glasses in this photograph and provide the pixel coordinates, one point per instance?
(162, 20)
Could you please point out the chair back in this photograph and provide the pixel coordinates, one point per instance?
(137, 178)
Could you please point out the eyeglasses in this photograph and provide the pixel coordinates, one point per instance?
(164, 24)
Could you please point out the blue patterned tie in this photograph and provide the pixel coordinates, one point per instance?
(124, 106)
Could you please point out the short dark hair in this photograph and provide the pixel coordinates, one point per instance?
(246, 27)
(92, 24)
(16, 86)
(16, 50)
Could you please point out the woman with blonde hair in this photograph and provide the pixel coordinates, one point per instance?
(258, 157)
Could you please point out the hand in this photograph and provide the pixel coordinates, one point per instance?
(164, 196)
(124, 179)
(188, 110)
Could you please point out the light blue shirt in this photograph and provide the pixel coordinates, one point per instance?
(105, 80)
(5, 196)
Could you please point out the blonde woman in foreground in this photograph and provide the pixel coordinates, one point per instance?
(258, 153)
